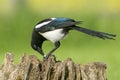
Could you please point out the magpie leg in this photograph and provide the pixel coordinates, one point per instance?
(57, 45)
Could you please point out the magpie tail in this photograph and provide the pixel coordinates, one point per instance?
(98, 34)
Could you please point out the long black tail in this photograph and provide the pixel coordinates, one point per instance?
(95, 33)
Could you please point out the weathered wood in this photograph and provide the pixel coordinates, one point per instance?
(30, 68)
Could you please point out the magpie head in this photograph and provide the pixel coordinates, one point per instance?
(34, 46)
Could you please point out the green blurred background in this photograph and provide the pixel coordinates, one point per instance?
(18, 17)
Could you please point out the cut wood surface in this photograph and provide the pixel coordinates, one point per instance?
(31, 68)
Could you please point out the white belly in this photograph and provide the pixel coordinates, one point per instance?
(54, 35)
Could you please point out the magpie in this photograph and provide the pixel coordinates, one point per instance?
(55, 29)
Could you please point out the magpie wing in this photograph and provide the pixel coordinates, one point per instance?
(57, 25)
(63, 24)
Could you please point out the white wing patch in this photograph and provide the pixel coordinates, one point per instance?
(42, 24)
(53, 18)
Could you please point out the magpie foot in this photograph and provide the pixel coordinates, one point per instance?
(46, 57)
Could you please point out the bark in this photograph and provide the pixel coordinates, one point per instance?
(31, 68)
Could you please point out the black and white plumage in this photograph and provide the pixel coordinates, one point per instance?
(55, 29)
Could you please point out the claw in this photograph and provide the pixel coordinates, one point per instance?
(46, 57)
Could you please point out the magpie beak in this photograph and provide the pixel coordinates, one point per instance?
(55, 29)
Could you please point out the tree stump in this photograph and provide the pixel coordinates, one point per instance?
(31, 68)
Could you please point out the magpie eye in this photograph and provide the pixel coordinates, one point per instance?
(34, 46)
